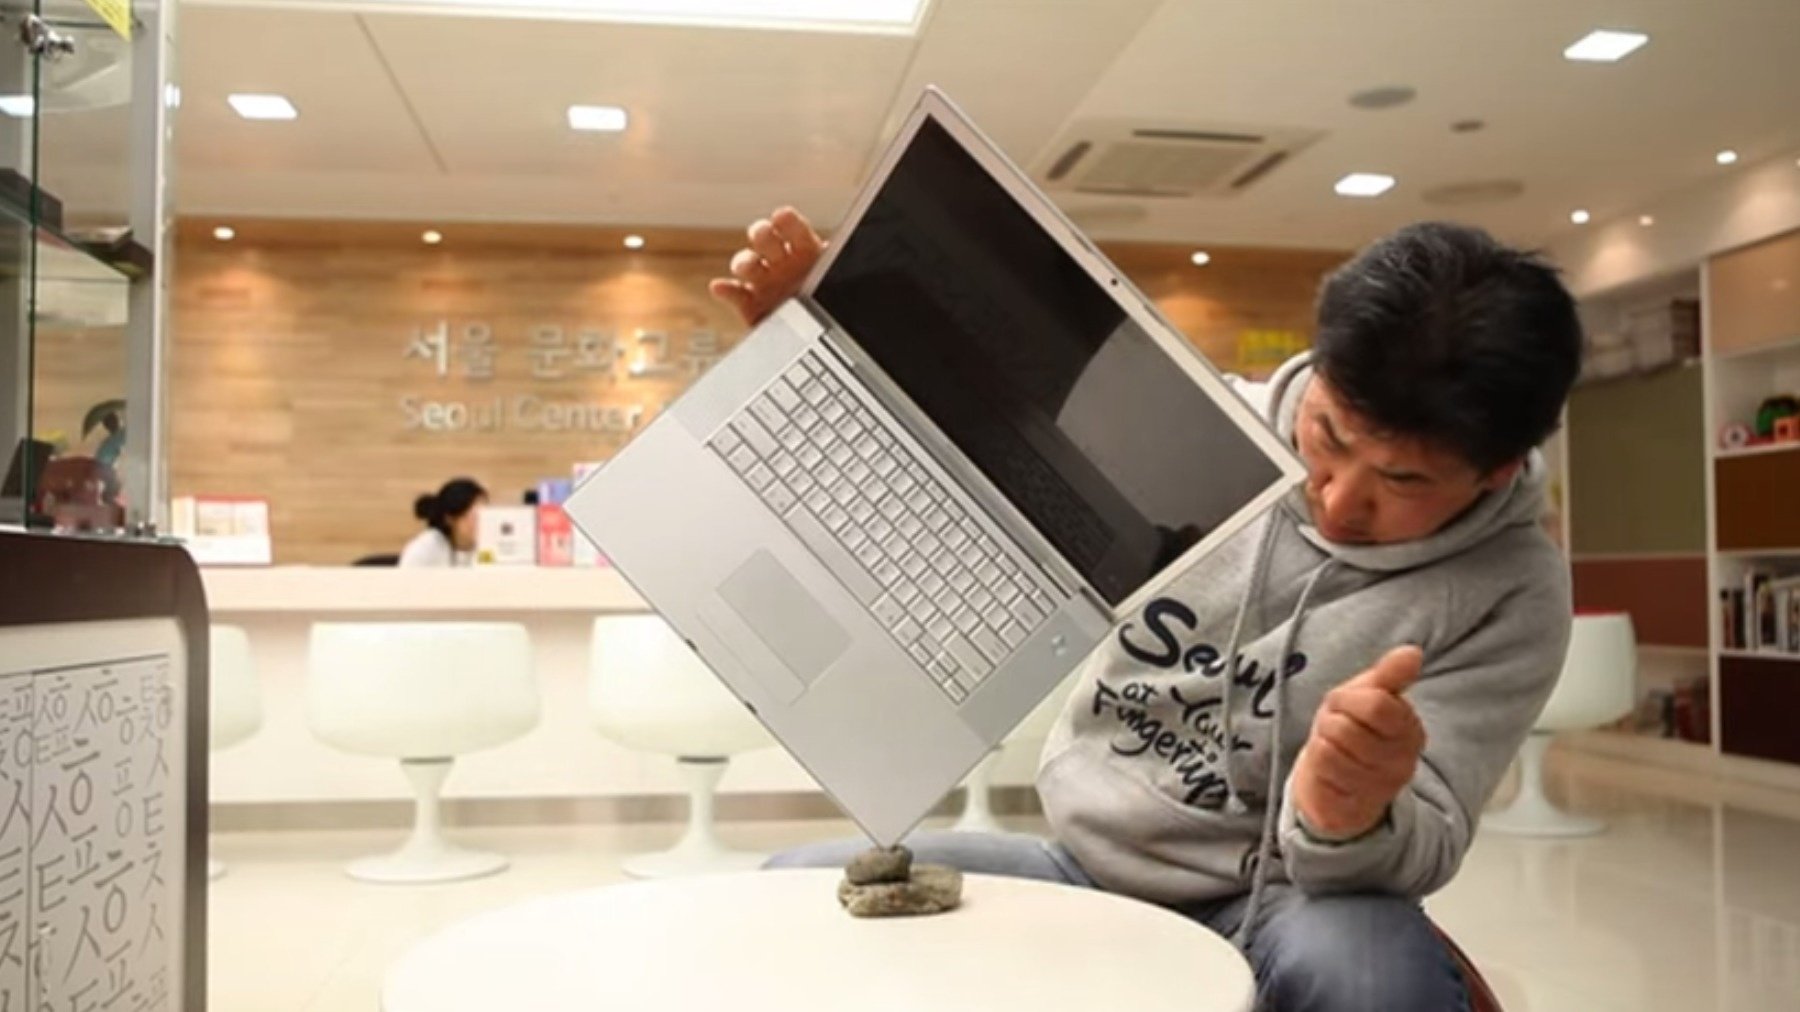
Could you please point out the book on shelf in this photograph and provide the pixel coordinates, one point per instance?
(1763, 614)
(1784, 632)
(1779, 640)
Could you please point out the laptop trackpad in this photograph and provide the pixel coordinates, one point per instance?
(774, 626)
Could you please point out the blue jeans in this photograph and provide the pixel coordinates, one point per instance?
(1355, 952)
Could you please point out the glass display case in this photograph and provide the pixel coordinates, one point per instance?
(86, 110)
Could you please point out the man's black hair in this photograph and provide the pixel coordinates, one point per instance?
(1439, 332)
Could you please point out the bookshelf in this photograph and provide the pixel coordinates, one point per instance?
(1761, 655)
(1776, 347)
(1638, 449)
(1751, 352)
(1756, 451)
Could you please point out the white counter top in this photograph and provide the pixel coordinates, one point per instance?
(563, 757)
(345, 590)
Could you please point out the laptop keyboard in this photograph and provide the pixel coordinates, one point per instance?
(887, 528)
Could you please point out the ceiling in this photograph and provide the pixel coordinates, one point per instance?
(447, 118)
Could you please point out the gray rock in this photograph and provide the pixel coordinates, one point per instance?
(933, 889)
(879, 864)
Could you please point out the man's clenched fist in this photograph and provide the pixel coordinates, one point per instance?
(1363, 748)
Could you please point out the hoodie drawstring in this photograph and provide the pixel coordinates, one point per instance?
(1259, 573)
(1277, 775)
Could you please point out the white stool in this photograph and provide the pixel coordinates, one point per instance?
(978, 810)
(423, 693)
(236, 703)
(1598, 685)
(647, 690)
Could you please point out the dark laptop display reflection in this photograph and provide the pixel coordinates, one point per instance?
(1034, 371)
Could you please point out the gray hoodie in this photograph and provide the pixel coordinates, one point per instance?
(1137, 778)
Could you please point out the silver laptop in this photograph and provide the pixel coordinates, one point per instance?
(913, 499)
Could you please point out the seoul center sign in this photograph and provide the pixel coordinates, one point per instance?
(555, 355)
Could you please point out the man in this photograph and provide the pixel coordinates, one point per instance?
(1294, 743)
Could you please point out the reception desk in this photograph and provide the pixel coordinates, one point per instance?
(563, 758)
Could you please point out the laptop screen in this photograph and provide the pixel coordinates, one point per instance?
(1035, 372)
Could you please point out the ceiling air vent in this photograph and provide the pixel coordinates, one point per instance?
(1159, 159)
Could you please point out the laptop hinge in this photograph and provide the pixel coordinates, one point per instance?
(836, 352)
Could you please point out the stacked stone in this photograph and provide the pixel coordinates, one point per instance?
(883, 882)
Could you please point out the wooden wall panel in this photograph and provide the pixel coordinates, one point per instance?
(1242, 293)
(288, 354)
(1754, 295)
(1637, 465)
(73, 369)
(1665, 596)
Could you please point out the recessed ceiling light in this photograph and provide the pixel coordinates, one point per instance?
(263, 106)
(1605, 46)
(224, 233)
(432, 237)
(1364, 184)
(601, 118)
(1579, 216)
(1725, 157)
(21, 106)
(1201, 258)
(634, 242)
(1646, 220)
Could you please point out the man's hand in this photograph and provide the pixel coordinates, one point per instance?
(783, 249)
(1365, 744)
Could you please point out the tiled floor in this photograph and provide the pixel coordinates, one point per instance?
(1691, 901)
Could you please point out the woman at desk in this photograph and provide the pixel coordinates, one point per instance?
(449, 517)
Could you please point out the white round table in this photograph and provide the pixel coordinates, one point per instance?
(778, 941)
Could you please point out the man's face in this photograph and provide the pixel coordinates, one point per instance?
(1364, 487)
